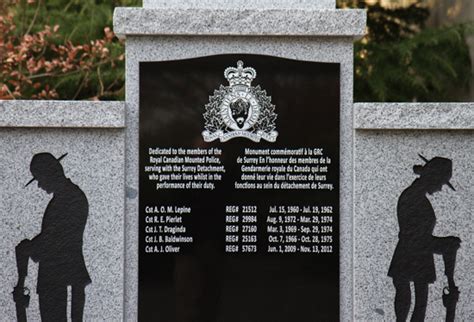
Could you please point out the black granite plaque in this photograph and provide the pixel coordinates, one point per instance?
(239, 190)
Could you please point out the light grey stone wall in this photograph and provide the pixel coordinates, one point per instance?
(72, 114)
(421, 116)
(388, 139)
(93, 136)
(173, 34)
(239, 4)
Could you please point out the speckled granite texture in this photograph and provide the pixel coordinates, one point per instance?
(95, 162)
(414, 116)
(270, 22)
(384, 163)
(19, 113)
(248, 4)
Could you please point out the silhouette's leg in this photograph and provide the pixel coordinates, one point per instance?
(78, 301)
(421, 300)
(53, 305)
(402, 300)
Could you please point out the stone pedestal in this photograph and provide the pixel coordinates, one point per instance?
(306, 30)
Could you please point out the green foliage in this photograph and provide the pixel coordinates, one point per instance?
(395, 24)
(80, 20)
(83, 28)
(426, 67)
(399, 60)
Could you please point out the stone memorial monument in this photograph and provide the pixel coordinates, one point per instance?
(237, 182)
(240, 114)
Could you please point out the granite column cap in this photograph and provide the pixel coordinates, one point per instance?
(240, 4)
(239, 22)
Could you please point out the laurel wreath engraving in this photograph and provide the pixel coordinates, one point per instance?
(214, 121)
(266, 121)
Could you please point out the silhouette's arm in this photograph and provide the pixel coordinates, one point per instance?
(75, 218)
(43, 241)
(447, 247)
(36, 245)
(449, 243)
(63, 226)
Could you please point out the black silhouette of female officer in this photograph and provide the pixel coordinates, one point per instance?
(58, 248)
(413, 258)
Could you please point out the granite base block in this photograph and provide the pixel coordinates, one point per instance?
(383, 169)
(95, 162)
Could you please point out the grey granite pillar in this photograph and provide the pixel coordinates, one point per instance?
(297, 30)
(389, 141)
(92, 134)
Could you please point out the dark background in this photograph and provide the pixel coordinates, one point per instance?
(203, 283)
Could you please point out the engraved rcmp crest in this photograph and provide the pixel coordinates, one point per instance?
(240, 110)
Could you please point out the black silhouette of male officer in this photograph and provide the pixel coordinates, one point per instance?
(58, 248)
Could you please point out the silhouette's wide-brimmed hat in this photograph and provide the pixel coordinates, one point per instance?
(46, 160)
(441, 168)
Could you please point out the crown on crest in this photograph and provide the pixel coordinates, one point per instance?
(240, 75)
